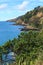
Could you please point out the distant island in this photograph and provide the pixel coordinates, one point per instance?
(31, 20)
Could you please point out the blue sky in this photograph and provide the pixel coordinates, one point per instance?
(13, 8)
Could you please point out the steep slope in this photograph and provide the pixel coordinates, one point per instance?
(32, 18)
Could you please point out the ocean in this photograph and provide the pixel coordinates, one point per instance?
(8, 31)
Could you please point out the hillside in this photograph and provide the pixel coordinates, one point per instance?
(32, 18)
(28, 48)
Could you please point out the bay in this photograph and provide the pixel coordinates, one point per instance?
(8, 31)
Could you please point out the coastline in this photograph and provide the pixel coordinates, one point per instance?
(26, 27)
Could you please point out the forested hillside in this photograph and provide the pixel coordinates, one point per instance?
(33, 18)
(28, 48)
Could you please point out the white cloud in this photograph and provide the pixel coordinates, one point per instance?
(2, 6)
(23, 5)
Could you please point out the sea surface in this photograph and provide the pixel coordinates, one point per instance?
(8, 31)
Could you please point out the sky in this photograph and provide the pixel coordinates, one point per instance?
(13, 8)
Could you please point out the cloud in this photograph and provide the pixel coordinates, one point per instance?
(23, 5)
(2, 6)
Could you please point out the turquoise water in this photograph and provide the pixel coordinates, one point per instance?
(8, 31)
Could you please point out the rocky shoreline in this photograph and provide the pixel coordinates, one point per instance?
(26, 27)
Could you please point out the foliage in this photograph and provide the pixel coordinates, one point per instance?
(28, 47)
(32, 18)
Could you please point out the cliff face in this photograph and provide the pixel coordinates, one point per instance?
(33, 18)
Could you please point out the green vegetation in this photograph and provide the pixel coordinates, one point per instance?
(28, 47)
(31, 18)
